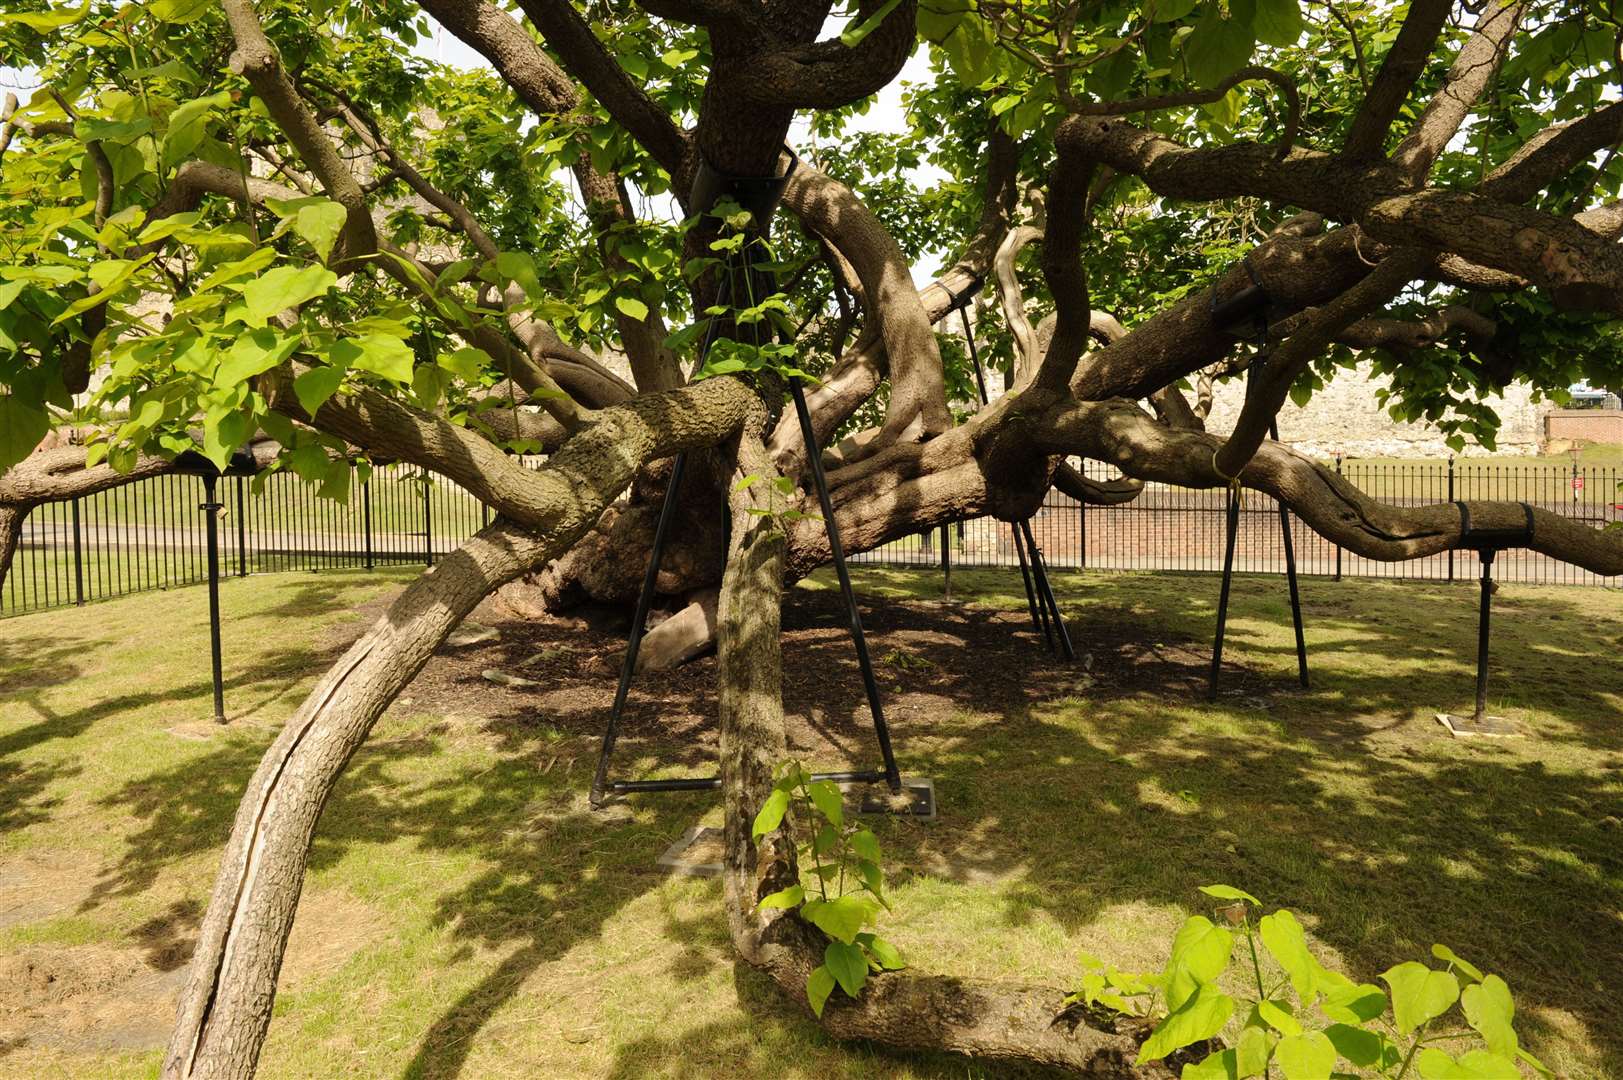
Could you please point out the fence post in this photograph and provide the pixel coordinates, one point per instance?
(1451, 499)
(428, 525)
(78, 561)
(1338, 545)
(242, 529)
(366, 518)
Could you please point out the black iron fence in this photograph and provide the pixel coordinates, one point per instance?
(1182, 529)
(152, 534)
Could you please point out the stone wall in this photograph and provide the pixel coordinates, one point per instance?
(1344, 418)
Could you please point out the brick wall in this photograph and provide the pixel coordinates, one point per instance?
(1588, 425)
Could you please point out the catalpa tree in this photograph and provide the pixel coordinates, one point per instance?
(278, 224)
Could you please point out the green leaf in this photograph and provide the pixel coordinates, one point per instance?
(1309, 1056)
(252, 354)
(853, 35)
(1278, 1017)
(1220, 1066)
(1251, 1051)
(841, 918)
(1353, 1004)
(188, 124)
(1278, 22)
(1362, 1048)
(519, 267)
(866, 845)
(22, 425)
(1229, 892)
(819, 985)
(179, 11)
(1448, 956)
(770, 815)
(848, 965)
(315, 386)
(783, 898)
(1286, 942)
(1489, 1010)
(826, 797)
(631, 307)
(222, 434)
(1434, 1064)
(1172, 10)
(284, 287)
(884, 953)
(319, 225)
(1200, 1017)
(1199, 954)
(466, 363)
(1419, 994)
(1217, 47)
(381, 354)
(43, 21)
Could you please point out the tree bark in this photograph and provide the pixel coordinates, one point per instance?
(980, 1018)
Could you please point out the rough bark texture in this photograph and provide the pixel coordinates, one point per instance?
(979, 1018)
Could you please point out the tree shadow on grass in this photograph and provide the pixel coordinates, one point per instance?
(1081, 797)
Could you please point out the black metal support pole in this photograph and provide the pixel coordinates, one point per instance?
(1290, 576)
(428, 526)
(1233, 520)
(893, 776)
(1484, 618)
(639, 619)
(1039, 574)
(242, 528)
(78, 559)
(1039, 616)
(946, 563)
(212, 508)
(1451, 499)
(366, 520)
(1338, 546)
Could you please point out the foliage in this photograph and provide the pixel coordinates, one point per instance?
(846, 875)
(1392, 1033)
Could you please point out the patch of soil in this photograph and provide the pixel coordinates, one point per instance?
(931, 660)
(44, 886)
(85, 998)
(91, 998)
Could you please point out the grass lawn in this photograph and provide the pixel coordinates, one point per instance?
(467, 915)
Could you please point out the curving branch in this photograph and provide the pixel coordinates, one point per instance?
(1473, 71)
(1403, 65)
(257, 60)
(832, 211)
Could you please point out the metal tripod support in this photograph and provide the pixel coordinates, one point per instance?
(763, 195)
(1232, 529)
(1487, 543)
(1040, 602)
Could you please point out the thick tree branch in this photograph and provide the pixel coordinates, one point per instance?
(1403, 65)
(1472, 72)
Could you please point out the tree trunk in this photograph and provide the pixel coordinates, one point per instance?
(11, 531)
(226, 1006)
(982, 1019)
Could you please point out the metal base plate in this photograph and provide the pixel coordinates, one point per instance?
(917, 798)
(687, 854)
(1479, 727)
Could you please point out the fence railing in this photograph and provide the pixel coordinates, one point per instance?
(151, 534)
(1182, 529)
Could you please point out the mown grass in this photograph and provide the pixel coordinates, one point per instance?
(483, 922)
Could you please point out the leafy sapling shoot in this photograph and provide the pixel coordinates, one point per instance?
(847, 890)
(1359, 1030)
